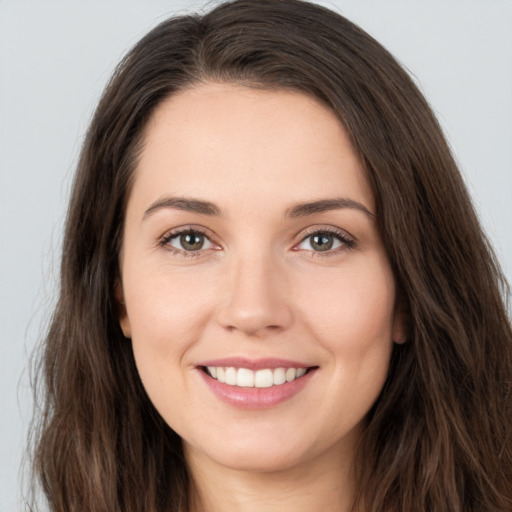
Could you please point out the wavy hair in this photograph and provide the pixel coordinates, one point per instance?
(439, 436)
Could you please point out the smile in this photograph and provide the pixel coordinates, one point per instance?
(255, 383)
(246, 378)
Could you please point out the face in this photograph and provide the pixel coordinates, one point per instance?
(257, 292)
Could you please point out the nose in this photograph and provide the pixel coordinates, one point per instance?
(257, 300)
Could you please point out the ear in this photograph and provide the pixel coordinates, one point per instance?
(399, 328)
(124, 321)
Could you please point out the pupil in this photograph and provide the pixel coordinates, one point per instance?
(192, 241)
(322, 242)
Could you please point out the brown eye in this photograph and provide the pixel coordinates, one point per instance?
(322, 242)
(191, 241)
(325, 242)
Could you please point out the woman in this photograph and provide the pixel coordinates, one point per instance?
(275, 292)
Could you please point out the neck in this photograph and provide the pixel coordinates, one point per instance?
(325, 483)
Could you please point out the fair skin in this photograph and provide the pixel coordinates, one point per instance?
(250, 241)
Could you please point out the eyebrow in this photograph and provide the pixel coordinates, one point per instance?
(324, 205)
(184, 204)
(299, 210)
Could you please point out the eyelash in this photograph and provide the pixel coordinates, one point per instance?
(346, 241)
(171, 235)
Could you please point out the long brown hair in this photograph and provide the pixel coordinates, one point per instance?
(439, 438)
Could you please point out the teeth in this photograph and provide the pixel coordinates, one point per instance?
(263, 379)
(231, 376)
(291, 373)
(279, 376)
(245, 378)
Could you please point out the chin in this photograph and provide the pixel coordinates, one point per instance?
(255, 454)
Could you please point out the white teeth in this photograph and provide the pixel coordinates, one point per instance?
(291, 373)
(231, 376)
(263, 379)
(279, 376)
(245, 378)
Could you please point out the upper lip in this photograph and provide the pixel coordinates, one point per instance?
(254, 364)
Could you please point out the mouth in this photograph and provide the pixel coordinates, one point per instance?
(263, 383)
(262, 378)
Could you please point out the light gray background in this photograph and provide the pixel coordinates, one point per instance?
(55, 57)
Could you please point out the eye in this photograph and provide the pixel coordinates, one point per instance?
(325, 241)
(188, 241)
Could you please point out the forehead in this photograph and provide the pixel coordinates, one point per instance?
(228, 142)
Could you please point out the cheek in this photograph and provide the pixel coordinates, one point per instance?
(351, 309)
(162, 302)
(167, 313)
(351, 316)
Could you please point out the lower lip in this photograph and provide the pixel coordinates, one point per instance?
(256, 398)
